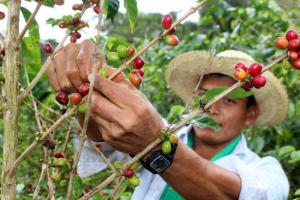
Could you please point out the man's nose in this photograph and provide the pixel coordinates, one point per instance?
(215, 108)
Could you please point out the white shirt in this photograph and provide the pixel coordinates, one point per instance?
(262, 178)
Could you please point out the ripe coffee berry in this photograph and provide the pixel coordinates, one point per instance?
(135, 78)
(248, 85)
(62, 98)
(259, 81)
(75, 98)
(75, 21)
(48, 48)
(240, 74)
(77, 34)
(281, 42)
(242, 66)
(291, 34)
(255, 69)
(58, 154)
(172, 31)
(128, 173)
(138, 62)
(62, 25)
(172, 40)
(294, 45)
(130, 51)
(84, 88)
(96, 9)
(293, 55)
(140, 72)
(2, 15)
(167, 21)
(296, 64)
(73, 38)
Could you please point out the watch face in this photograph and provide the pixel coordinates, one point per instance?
(159, 164)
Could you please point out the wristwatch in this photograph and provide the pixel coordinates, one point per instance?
(158, 162)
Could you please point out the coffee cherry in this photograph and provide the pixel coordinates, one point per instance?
(241, 66)
(140, 72)
(96, 9)
(294, 44)
(166, 147)
(134, 181)
(259, 81)
(62, 98)
(291, 34)
(59, 162)
(135, 78)
(113, 57)
(48, 48)
(134, 166)
(118, 164)
(104, 72)
(56, 176)
(50, 144)
(77, 6)
(99, 147)
(75, 21)
(84, 88)
(82, 108)
(138, 62)
(58, 154)
(248, 85)
(293, 55)
(173, 139)
(130, 51)
(172, 40)
(240, 74)
(255, 69)
(2, 15)
(172, 31)
(77, 34)
(62, 25)
(73, 39)
(122, 51)
(67, 19)
(296, 64)
(75, 98)
(281, 42)
(128, 173)
(167, 21)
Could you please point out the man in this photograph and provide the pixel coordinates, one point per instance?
(213, 165)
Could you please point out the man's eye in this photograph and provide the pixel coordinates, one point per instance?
(228, 100)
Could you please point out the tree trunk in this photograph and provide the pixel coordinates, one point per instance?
(11, 103)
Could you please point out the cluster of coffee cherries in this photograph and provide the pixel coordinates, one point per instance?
(57, 162)
(122, 53)
(75, 98)
(168, 139)
(129, 173)
(2, 15)
(93, 3)
(291, 42)
(171, 39)
(74, 23)
(251, 75)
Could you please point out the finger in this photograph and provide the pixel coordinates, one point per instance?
(114, 91)
(59, 64)
(104, 108)
(72, 70)
(52, 77)
(85, 59)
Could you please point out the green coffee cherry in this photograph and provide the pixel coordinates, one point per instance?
(166, 147)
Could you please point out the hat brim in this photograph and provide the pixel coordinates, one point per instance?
(184, 71)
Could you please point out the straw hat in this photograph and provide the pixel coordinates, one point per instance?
(184, 71)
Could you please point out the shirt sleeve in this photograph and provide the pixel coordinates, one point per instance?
(90, 161)
(262, 180)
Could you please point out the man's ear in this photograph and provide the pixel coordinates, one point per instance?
(252, 114)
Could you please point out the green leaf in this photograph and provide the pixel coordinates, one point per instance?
(53, 21)
(297, 193)
(204, 121)
(175, 113)
(295, 156)
(235, 94)
(285, 150)
(132, 12)
(49, 3)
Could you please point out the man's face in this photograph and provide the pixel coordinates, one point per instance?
(231, 114)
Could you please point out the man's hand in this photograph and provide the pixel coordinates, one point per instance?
(127, 120)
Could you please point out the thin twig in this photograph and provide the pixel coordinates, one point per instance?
(30, 20)
(67, 139)
(116, 192)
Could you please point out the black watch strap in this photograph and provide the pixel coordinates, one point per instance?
(158, 162)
